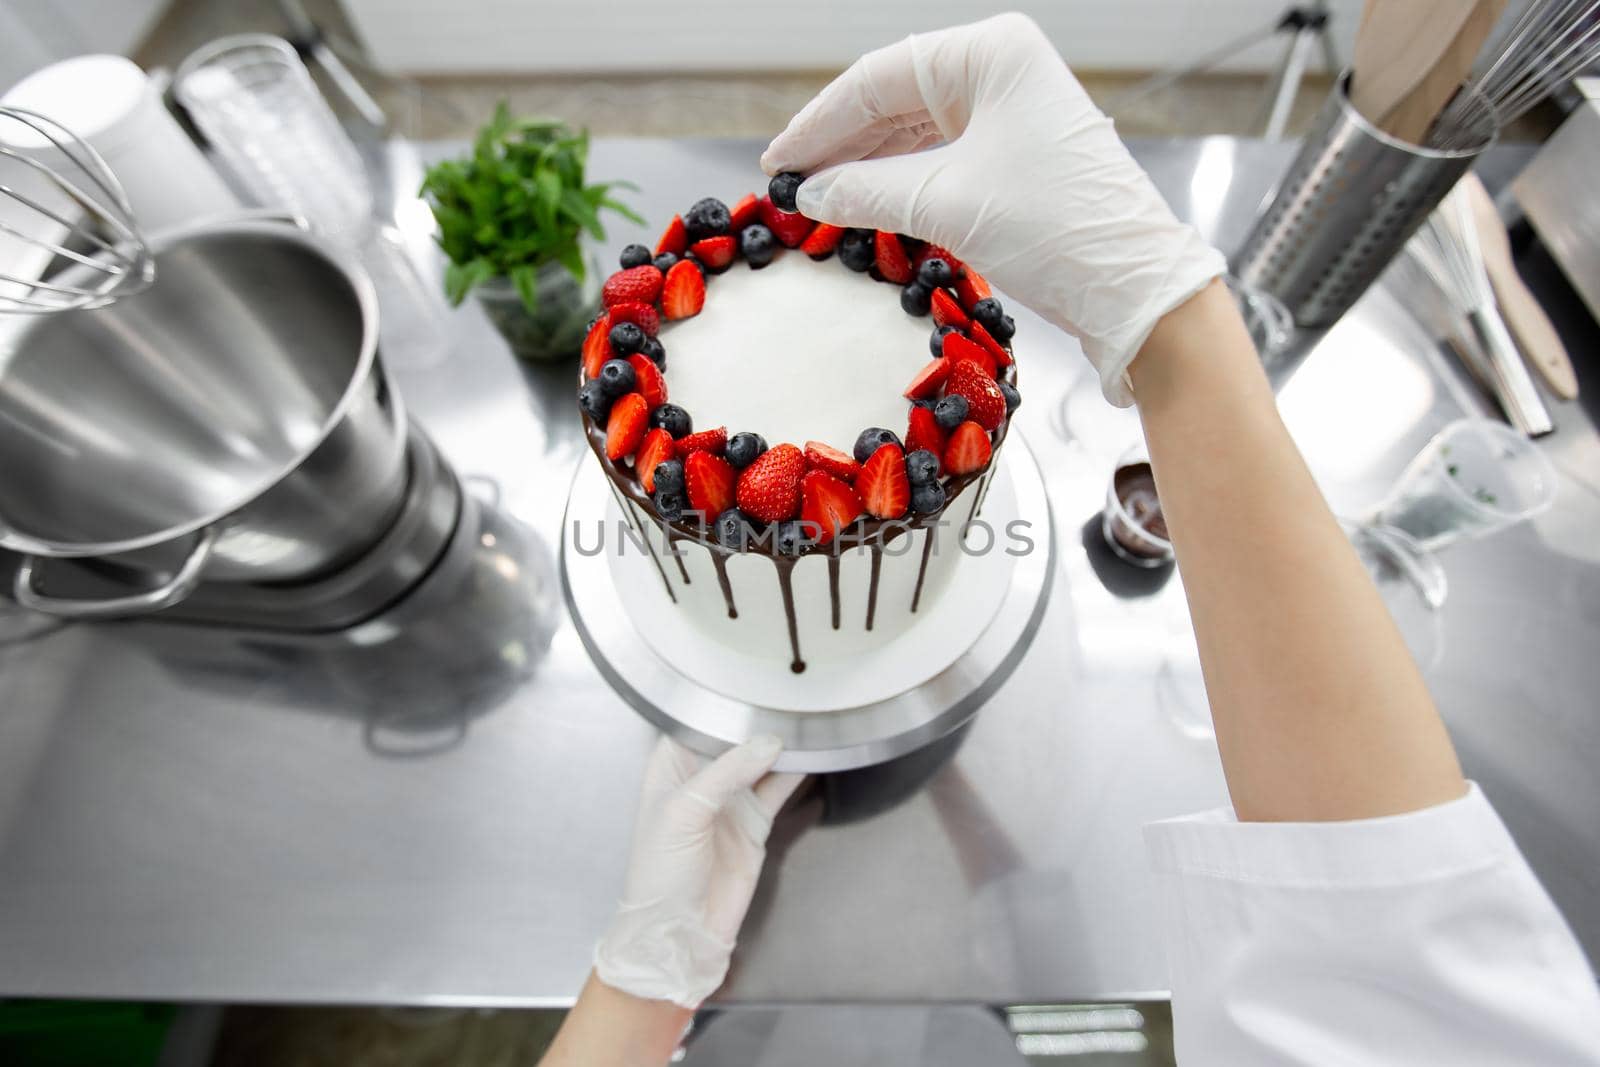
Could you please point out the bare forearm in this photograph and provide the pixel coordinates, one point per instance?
(1320, 712)
(609, 1028)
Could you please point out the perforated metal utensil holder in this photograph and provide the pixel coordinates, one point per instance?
(1347, 205)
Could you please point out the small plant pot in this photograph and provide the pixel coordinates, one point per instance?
(555, 329)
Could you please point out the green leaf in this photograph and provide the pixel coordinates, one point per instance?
(461, 278)
(525, 278)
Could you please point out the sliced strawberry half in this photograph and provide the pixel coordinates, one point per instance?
(890, 255)
(684, 293)
(924, 432)
(597, 346)
(971, 288)
(957, 349)
(1002, 358)
(885, 491)
(710, 483)
(625, 426)
(644, 316)
(986, 405)
(716, 252)
(769, 489)
(656, 447)
(675, 238)
(929, 378)
(636, 285)
(704, 441)
(652, 385)
(790, 227)
(746, 211)
(823, 240)
(968, 449)
(828, 504)
(829, 459)
(947, 312)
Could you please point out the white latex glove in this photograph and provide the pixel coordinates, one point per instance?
(698, 844)
(1029, 182)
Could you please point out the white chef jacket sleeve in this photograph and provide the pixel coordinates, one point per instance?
(1412, 939)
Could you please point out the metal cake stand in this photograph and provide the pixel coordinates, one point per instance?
(840, 740)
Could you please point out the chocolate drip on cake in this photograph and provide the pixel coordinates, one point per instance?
(922, 568)
(636, 524)
(872, 584)
(672, 550)
(719, 560)
(833, 586)
(785, 569)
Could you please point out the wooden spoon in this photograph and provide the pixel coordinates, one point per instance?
(1531, 327)
(1412, 55)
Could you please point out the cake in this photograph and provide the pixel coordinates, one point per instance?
(800, 472)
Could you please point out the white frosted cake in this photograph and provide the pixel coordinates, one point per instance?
(798, 474)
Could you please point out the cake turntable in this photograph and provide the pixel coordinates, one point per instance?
(697, 704)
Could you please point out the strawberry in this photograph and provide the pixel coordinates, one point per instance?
(924, 432)
(957, 349)
(710, 482)
(986, 405)
(971, 288)
(885, 490)
(1002, 358)
(823, 240)
(656, 446)
(789, 227)
(829, 459)
(968, 449)
(636, 285)
(650, 383)
(769, 489)
(929, 378)
(890, 255)
(828, 504)
(947, 312)
(716, 252)
(746, 211)
(597, 346)
(675, 238)
(625, 426)
(704, 441)
(684, 293)
(644, 316)
(933, 251)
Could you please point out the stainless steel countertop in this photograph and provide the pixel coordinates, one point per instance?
(197, 815)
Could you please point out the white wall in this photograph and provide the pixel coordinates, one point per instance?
(439, 36)
(34, 33)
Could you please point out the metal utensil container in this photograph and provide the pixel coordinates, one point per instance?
(1346, 207)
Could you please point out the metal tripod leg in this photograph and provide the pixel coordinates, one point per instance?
(1285, 86)
(1167, 78)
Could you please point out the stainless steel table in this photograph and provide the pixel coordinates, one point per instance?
(198, 815)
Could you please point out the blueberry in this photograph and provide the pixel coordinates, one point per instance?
(733, 530)
(593, 400)
(743, 448)
(856, 249)
(669, 502)
(871, 439)
(927, 499)
(673, 419)
(656, 351)
(626, 338)
(916, 299)
(757, 244)
(708, 218)
(635, 256)
(669, 476)
(791, 537)
(936, 340)
(989, 312)
(665, 261)
(782, 189)
(617, 377)
(1013, 398)
(950, 412)
(935, 273)
(922, 467)
(1004, 330)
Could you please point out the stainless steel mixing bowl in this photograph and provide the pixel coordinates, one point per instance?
(237, 408)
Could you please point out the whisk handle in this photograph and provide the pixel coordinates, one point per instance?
(1513, 384)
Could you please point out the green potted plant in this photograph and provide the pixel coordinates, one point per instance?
(512, 219)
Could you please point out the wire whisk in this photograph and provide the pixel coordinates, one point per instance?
(1447, 250)
(61, 209)
(1551, 41)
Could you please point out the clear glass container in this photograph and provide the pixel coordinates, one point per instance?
(1132, 522)
(556, 328)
